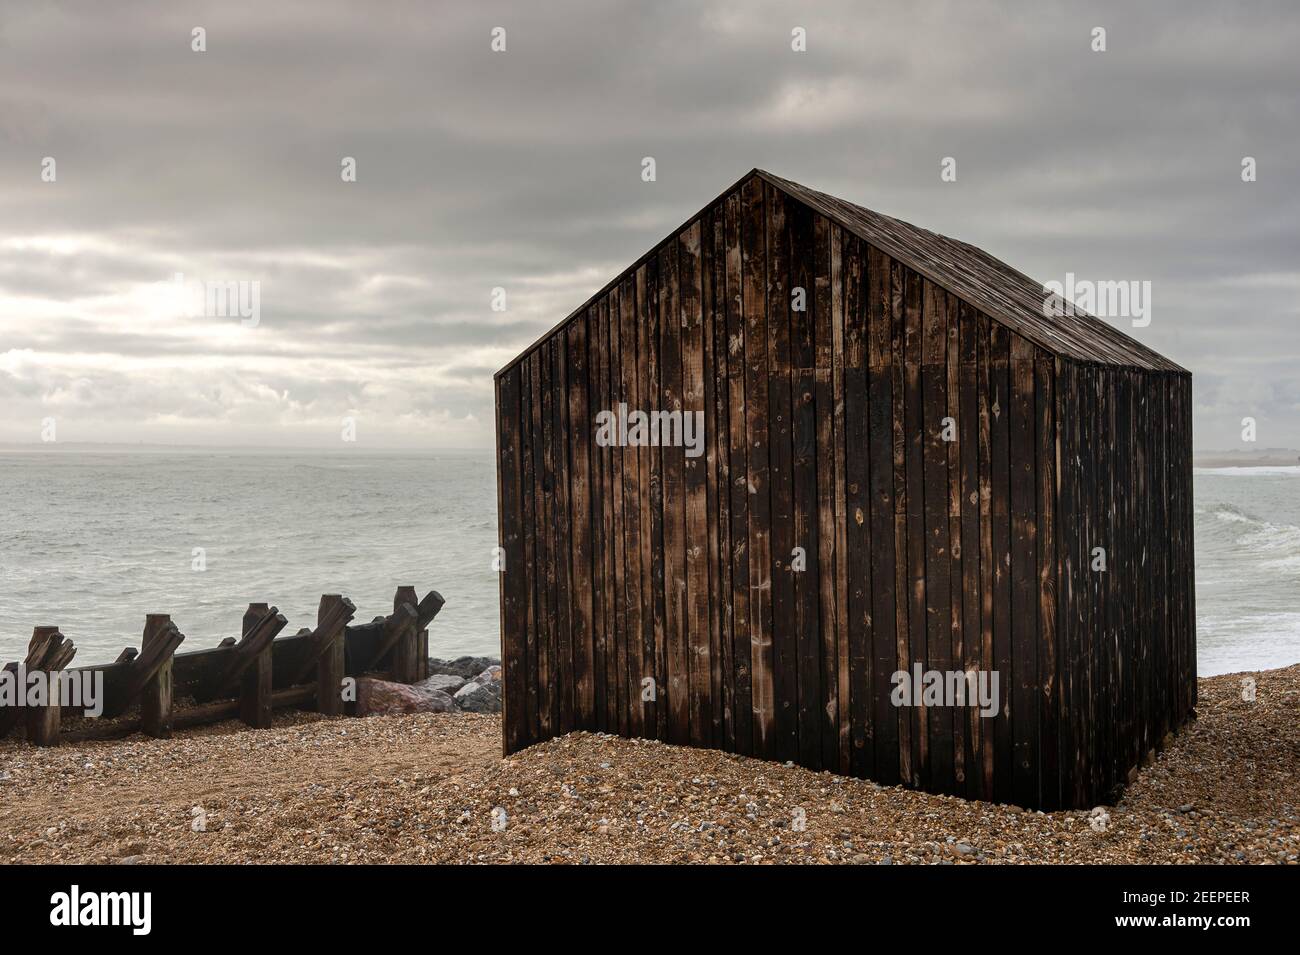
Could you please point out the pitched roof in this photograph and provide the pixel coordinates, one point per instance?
(989, 284)
(1004, 294)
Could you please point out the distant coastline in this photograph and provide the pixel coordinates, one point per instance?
(1263, 458)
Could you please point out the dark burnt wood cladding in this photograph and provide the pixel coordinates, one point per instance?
(631, 568)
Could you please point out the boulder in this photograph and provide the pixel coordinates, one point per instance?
(491, 675)
(447, 682)
(382, 698)
(464, 667)
(479, 697)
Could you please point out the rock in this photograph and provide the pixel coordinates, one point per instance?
(491, 675)
(447, 682)
(381, 698)
(464, 667)
(965, 848)
(479, 698)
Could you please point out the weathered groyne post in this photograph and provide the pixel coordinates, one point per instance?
(247, 678)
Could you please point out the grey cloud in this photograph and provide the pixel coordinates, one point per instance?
(521, 170)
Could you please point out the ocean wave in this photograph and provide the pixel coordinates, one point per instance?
(1270, 545)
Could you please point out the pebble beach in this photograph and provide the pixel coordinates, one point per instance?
(433, 787)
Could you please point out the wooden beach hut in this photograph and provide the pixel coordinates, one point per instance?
(890, 464)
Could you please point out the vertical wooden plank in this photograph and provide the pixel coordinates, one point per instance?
(156, 698)
(630, 395)
(753, 259)
(829, 316)
(905, 380)
(915, 430)
(1172, 570)
(844, 286)
(330, 665)
(857, 489)
(1088, 445)
(716, 382)
(785, 623)
(738, 453)
(1129, 641)
(43, 722)
(255, 681)
(1182, 384)
(874, 453)
(530, 493)
(659, 312)
(690, 268)
(1048, 679)
(404, 651)
(968, 421)
(675, 538)
(810, 690)
(710, 225)
(618, 457)
(541, 551)
(1142, 491)
(1000, 520)
(580, 435)
(562, 481)
(956, 717)
(1069, 571)
(601, 596)
(1163, 565)
(1024, 575)
(1105, 631)
(985, 385)
(647, 344)
(550, 681)
(937, 584)
(1179, 651)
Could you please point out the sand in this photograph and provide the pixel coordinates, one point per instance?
(434, 788)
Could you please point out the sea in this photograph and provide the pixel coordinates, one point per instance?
(91, 541)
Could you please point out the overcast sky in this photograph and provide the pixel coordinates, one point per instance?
(522, 169)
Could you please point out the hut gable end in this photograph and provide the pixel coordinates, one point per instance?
(909, 529)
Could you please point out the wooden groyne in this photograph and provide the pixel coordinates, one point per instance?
(154, 689)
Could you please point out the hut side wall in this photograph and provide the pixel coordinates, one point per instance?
(1128, 631)
(651, 593)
